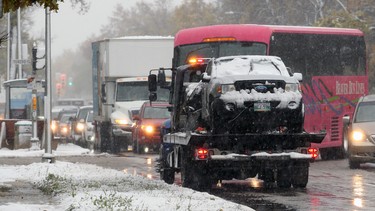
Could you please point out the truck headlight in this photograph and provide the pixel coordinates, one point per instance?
(224, 88)
(121, 121)
(358, 136)
(292, 87)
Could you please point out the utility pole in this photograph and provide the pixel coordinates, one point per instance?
(47, 156)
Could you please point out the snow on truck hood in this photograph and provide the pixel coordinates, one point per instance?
(249, 65)
(228, 70)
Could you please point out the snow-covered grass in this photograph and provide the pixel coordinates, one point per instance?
(90, 187)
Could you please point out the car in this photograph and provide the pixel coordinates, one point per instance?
(61, 125)
(86, 129)
(78, 129)
(359, 135)
(146, 127)
(249, 94)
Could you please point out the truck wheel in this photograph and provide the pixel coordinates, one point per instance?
(166, 173)
(135, 149)
(354, 164)
(139, 148)
(300, 176)
(283, 178)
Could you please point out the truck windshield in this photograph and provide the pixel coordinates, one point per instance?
(138, 91)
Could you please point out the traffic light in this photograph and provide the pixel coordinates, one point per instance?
(34, 60)
(58, 89)
(70, 81)
(63, 80)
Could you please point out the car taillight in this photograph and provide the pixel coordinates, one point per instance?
(201, 154)
(313, 152)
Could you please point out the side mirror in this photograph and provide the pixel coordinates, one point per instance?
(161, 78)
(152, 96)
(152, 84)
(346, 120)
(206, 77)
(298, 76)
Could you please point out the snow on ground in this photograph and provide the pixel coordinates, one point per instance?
(89, 187)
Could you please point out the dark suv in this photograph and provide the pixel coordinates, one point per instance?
(251, 94)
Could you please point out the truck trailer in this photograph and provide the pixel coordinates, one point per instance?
(119, 69)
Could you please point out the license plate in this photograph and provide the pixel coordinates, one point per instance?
(262, 106)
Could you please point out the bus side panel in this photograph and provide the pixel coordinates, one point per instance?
(327, 99)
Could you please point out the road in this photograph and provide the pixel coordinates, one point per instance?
(332, 185)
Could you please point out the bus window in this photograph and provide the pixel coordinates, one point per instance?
(319, 55)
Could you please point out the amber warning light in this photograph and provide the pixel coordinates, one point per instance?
(193, 61)
(219, 39)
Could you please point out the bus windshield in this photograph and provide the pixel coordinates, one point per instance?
(217, 49)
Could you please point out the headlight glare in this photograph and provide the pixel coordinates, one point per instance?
(358, 136)
(148, 128)
(121, 121)
(80, 127)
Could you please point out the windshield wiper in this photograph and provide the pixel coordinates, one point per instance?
(276, 67)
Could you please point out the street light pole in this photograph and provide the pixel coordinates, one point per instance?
(47, 156)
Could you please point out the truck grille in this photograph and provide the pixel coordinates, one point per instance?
(262, 86)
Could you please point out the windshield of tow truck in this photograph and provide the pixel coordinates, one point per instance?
(138, 91)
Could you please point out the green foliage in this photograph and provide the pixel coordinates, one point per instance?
(344, 19)
(53, 185)
(111, 201)
(12, 5)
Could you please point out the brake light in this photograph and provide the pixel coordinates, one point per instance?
(201, 154)
(219, 39)
(313, 152)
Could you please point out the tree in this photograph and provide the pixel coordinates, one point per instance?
(142, 19)
(193, 13)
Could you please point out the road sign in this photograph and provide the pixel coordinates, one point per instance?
(21, 61)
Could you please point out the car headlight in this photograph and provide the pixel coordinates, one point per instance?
(292, 87)
(148, 128)
(224, 88)
(80, 127)
(121, 121)
(358, 136)
(53, 126)
(64, 130)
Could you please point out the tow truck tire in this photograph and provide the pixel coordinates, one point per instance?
(167, 175)
(300, 176)
(191, 176)
(283, 179)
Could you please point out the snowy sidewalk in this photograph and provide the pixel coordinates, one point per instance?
(64, 186)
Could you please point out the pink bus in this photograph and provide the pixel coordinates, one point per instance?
(331, 60)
